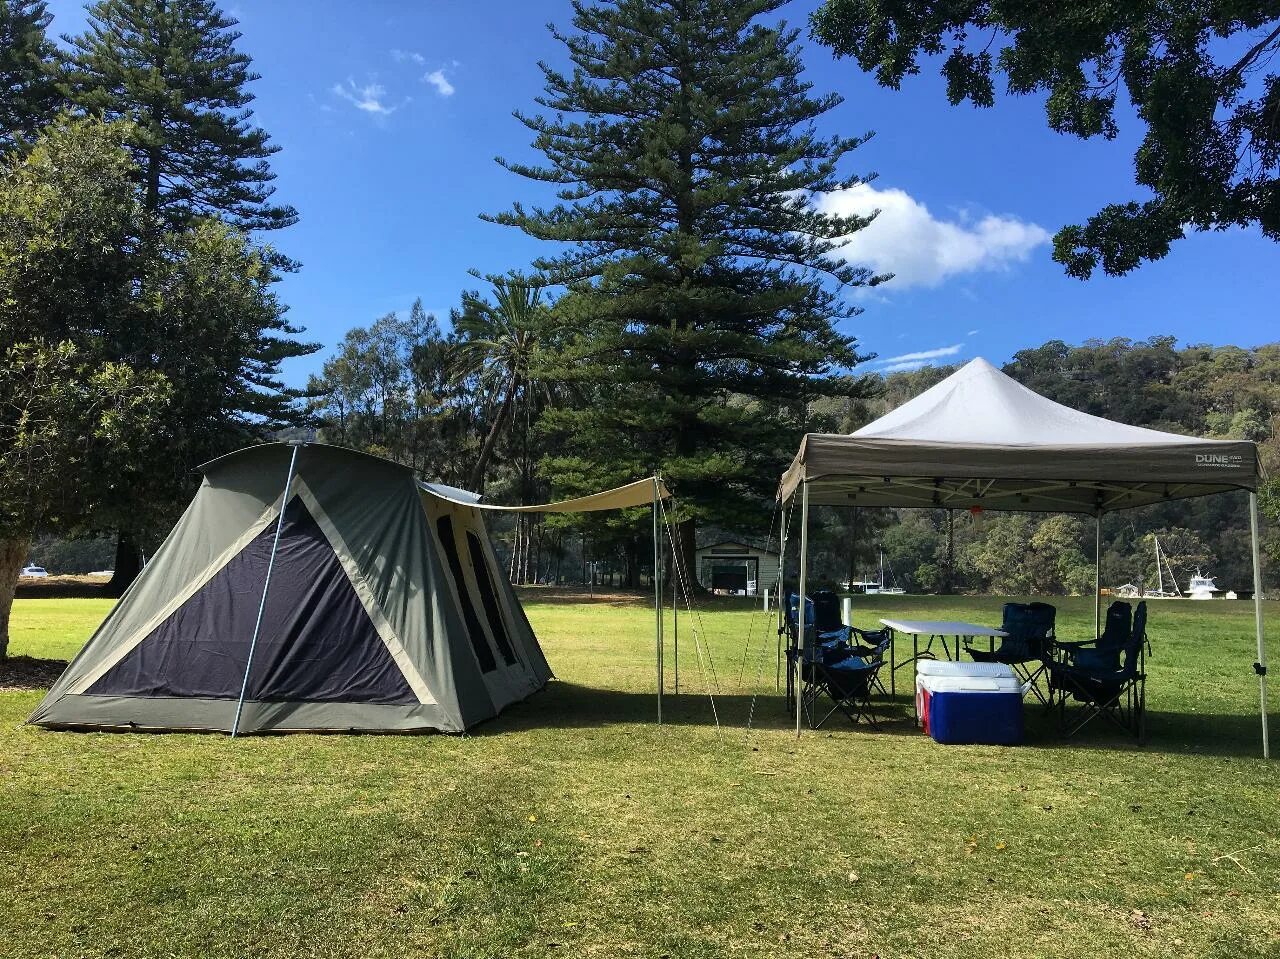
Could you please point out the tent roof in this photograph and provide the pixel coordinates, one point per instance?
(981, 438)
(638, 493)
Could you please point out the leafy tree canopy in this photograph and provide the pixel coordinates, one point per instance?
(704, 289)
(1198, 74)
(172, 68)
(29, 95)
(82, 261)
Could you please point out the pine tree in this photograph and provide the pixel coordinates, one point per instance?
(29, 95)
(171, 66)
(704, 288)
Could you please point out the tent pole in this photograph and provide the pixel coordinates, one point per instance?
(266, 584)
(782, 598)
(1260, 667)
(1097, 574)
(657, 594)
(804, 610)
(675, 627)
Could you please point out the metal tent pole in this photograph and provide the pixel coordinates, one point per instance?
(675, 627)
(782, 597)
(1260, 667)
(266, 585)
(1097, 574)
(804, 606)
(657, 594)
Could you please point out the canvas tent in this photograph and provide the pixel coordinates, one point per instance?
(309, 587)
(980, 439)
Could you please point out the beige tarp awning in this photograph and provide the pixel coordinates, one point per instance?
(639, 493)
(982, 439)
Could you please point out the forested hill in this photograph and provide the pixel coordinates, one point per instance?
(1214, 391)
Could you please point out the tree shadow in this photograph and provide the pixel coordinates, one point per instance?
(28, 674)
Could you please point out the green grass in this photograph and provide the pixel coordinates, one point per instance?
(573, 825)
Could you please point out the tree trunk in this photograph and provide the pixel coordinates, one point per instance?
(686, 535)
(127, 567)
(853, 546)
(476, 481)
(13, 555)
(949, 582)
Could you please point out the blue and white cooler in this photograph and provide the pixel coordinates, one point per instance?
(969, 702)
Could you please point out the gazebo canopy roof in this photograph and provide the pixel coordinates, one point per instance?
(981, 438)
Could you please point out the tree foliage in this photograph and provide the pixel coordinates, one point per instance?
(172, 68)
(65, 418)
(388, 390)
(29, 71)
(82, 261)
(1198, 75)
(704, 290)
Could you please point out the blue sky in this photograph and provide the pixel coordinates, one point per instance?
(390, 114)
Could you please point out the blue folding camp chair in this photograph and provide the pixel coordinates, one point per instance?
(1107, 648)
(1030, 628)
(848, 682)
(1102, 684)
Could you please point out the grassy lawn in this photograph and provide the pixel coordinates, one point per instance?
(574, 825)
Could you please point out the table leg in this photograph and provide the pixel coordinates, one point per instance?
(893, 669)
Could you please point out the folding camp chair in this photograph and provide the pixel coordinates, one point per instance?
(867, 642)
(1026, 649)
(825, 616)
(847, 682)
(826, 639)
(1103, 687)
(1107, 648)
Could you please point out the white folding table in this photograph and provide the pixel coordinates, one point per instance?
(934, 629)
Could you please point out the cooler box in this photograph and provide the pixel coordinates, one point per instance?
(957, 706)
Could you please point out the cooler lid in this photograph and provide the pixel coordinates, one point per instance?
(970, 684)
(942, 667)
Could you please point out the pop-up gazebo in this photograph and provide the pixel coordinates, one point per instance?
(981, 439)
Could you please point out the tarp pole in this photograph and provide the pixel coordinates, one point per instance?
(266, 585)
(657, 594)
(1261, 665)
(804, 607)
(675, 628)
(782, 598)
(1097, 574)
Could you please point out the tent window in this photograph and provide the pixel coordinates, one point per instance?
(444, 526)
(491, 607)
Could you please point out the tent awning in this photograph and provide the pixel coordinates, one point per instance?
(980, 438)
(639, 493)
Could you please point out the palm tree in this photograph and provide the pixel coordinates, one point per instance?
(497, 343)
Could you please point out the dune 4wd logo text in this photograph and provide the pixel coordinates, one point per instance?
(1230, 461)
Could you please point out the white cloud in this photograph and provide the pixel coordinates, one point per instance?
(408, 56)
(368, 97)
(913, 361)
(974, 332)
(438, 80)
(922, 250)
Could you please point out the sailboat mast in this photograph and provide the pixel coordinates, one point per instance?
(1159, 568)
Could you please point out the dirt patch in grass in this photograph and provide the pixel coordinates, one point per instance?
(20, 674)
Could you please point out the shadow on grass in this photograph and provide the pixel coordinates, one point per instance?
(564, 705)
(28, 674)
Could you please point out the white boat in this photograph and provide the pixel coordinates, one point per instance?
(880, 589)
(1202, 587)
